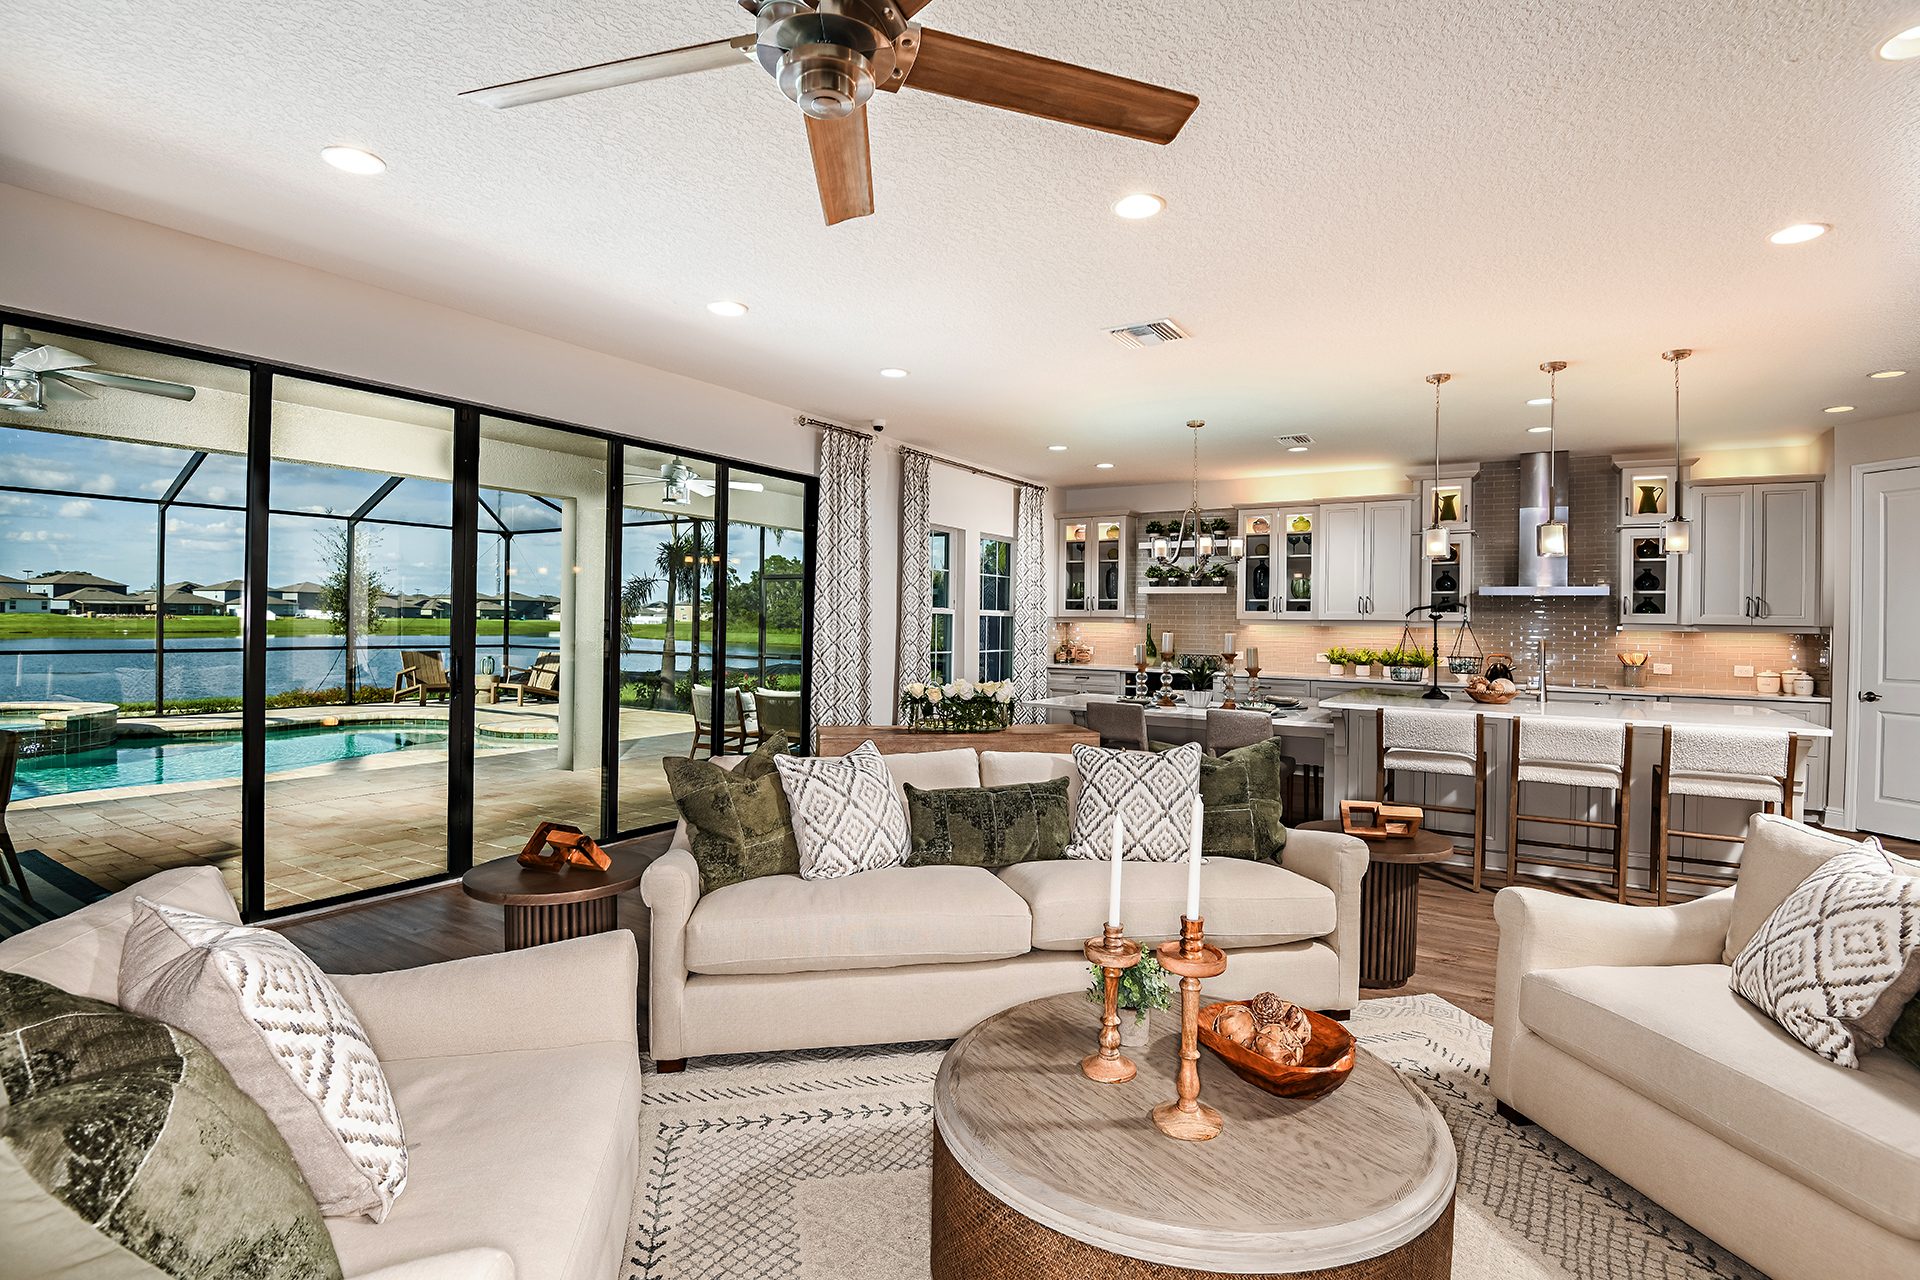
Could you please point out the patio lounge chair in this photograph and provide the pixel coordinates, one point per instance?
(422, 674)
(734, 727)
(542, 679)
(9, 761)
(777, 711)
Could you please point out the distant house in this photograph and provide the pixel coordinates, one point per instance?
(523, 607)
(406, 606)
(180, 603)
(98, 602)
(227, 592)
(304, 597)
(66, 583)
(16, 598)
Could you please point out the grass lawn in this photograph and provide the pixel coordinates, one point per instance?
(777, 641)
(48, 626)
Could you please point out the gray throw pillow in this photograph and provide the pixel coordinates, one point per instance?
(127, 1151)
(1837, 962)
(988, 826)
(287, 1037)
(738, 824)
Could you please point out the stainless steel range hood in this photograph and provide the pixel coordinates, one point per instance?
(1543, 495)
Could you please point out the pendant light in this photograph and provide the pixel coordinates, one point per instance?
(1195, 531)
(1553, 530)
(1435, 544)
(1676, 535)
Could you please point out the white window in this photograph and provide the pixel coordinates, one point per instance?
(996, 608)
(940, 544)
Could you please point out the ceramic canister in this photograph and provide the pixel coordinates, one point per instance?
(1768, 682)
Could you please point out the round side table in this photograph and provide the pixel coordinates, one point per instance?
(548, 906)
(1390, 901)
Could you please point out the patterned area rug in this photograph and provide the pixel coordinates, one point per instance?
(815, 1166)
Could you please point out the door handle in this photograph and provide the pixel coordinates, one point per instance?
(1766, 610)
(1749, 606)
(1868, 695)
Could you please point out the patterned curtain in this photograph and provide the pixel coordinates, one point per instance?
(841, 555)
(916, 571)
(1031, 625)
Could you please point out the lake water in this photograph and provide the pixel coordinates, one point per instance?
(121, 671)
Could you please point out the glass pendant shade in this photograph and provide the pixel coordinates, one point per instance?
(1160, 548)
(1236, 547)
(1435, 544)
(1553, 538)
(1204, 544)
(1676, 536)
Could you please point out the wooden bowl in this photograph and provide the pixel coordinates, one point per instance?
(1328, 1059)
(1491, 698)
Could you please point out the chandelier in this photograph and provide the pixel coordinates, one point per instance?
(1194, 549)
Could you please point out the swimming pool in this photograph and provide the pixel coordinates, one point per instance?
(152, 761)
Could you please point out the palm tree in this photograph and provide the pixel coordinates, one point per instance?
(679, 562)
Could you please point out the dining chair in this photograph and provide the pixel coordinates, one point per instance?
(1119, 724)
(1229, 730)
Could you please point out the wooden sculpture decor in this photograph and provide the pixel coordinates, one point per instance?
(1378, 820)
(557, 846)
(1114, 952)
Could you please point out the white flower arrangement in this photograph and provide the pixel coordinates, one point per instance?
(959, 705)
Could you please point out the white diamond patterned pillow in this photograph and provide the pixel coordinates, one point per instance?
(1838, 960)
(846, 817)
(1152, 791)
(287, 1037)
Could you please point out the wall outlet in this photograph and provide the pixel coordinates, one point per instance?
(1741, 672)
(1663, 668)
(1319, 657)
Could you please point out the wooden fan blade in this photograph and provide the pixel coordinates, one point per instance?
(956, 67)
(711, 56)
(842, 165)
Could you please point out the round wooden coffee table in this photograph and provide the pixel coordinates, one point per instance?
(1390, 901)
(1038, 1171)
(546, 906)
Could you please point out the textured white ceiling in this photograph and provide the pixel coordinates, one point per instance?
(1369, 192)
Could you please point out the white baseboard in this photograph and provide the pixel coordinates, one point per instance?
(1835, 817)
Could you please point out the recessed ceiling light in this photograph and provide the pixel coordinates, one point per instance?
(893, 373)
(1800, 233)
(1541, 400)
(1903, 46)
(1838, 408)
(1141, 204)
(727, 307)
(1103, 466)
(1056, 448)
(1296, 448)
(353, 159)
(1888, 373)
(1538, 431)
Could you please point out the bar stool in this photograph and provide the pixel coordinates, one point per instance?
(1440, 743)
(1571, 753)
(1722, 764)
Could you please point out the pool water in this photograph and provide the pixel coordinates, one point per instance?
(142, 762)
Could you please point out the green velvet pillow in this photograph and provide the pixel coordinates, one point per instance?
(1904, 1039)
(738, 823)
(988, 826)
(127, 1150)
(1244, 792)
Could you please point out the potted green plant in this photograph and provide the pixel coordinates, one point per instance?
(1156, 575)
(1221, 528)
(1142, 988)
(1337, 660)
(1366, 662)
(1156, 529)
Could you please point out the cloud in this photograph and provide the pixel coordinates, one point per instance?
(75, 510)
(36, 535)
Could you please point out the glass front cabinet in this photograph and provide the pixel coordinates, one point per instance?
(1649, 580)
(1448, 584)
(1647, 491)
(1093, 568)
(1276, 572)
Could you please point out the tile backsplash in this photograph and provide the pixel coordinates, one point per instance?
(1580, 632)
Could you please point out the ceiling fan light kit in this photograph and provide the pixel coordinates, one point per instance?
(33, 373)
(829, 56)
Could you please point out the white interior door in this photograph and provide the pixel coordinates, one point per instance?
(1886, 669)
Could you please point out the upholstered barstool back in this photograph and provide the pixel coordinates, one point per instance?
(1718, 764)
(1443, 743)
(1229, 730)
(1119, 724)
(1570, 752)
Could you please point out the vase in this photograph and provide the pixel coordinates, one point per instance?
(1446, 508)
(1646, 501)
(1134, 1030)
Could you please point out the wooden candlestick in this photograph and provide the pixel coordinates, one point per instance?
(1112, 951)
(1229, 658)
(1193, 958)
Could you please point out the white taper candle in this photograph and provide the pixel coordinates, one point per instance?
(1113, 877)
(1193, 862)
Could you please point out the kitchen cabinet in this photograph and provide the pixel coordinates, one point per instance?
(1448, 583)
(1064, 678)
(1363, 556)
(1094, 568)
(1647, 491)
(1447, 500)
(1755, 558)
(1276, 577)
(1649, 580)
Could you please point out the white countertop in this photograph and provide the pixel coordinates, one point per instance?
(1447, 681)
(1633, 711)
(1307, 717)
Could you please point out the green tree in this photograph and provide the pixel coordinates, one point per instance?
(352, 586)
(680, 561)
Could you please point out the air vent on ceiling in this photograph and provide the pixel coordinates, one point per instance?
(1149, 333)
(1293, 439)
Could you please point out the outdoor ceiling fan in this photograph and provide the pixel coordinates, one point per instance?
(680, 480)
(830, 55)
(32, 374)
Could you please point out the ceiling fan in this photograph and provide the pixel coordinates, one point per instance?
(830, 55)
(680, 479)
(32, 374)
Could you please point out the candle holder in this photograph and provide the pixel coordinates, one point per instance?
(1192, 957)
(1229, 659)
(1253, 684)
(1140, 677)
(1112, 951)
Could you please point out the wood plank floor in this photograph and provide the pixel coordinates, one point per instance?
(1458, 940)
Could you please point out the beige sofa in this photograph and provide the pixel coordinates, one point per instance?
(924, 953)
(1615, 1030)
(518, 1082)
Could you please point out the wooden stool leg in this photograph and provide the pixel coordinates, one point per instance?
(1622, 817)
(1513, 807)
(1479, 800)
(1663, 801)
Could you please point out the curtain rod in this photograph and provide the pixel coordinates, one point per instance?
(821, 425)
